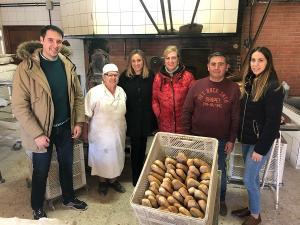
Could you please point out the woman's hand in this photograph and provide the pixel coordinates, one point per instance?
(256, 157)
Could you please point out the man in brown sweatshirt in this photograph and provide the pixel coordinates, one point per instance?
(211, 109)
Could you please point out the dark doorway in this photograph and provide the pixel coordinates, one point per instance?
(195, 60)
(15, 35)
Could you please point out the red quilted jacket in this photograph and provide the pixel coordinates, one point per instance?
(168, 98)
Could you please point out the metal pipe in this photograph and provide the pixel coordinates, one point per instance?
(262, 22)
(162, 6)
(124, 48)
(170, 15)
(250, 22)
(27, 4)
(50, 17)
(150, 17)
(195, 11)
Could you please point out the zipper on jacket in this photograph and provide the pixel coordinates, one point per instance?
(245, 107)
(174, 112)
(255, 128)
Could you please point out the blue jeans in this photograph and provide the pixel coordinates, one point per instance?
(61, 137)
(222, 166)
(251, 177)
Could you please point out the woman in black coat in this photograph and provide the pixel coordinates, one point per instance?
(137, 83)
(261, 108)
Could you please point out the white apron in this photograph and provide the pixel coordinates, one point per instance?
(107, 130)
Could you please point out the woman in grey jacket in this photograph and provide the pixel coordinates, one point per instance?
(261, 107)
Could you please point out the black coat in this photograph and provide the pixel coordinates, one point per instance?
(260, 121)
(140, 118)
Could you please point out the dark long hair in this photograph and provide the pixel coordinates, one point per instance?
(260, 83)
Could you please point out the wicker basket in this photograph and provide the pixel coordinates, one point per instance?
(167, 144)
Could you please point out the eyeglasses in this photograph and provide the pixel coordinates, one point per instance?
(112, 74)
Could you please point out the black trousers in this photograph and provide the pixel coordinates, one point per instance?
(61, 137)
(138, 149)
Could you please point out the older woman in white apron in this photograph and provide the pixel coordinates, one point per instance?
(105, 108)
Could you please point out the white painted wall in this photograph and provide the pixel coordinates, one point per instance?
(2, 50)
(10, 16)
(78, 58)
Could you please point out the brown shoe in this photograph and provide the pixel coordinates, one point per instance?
(241, 212)
(252, 221)
(223, 208)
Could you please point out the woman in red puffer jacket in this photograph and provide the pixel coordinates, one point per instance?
(170, 87)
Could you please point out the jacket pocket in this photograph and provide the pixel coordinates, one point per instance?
(255, 128)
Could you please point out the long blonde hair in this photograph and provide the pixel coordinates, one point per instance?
(260, 83)
(130, 71)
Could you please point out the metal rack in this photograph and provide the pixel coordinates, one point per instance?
(8, 84)
(271, 173)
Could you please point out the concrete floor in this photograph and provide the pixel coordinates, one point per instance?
(114, 209)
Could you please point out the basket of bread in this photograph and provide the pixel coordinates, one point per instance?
(178, 183)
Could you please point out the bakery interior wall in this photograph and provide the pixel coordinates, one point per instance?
(280, 33)
(194, 50)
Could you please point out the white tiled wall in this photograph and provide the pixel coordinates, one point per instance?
(29, 15)
(19, 16)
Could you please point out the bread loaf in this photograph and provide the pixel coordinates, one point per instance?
(171, 161)
(204, 169)
(202, 204)
(181, 174)
(204, 188)
(206, 182)
(177, 184)
(167, 185)
(194, 170)
(173, 209)
(190, 162)
(181, 158)
(162, 201)
(178, 197)
(192, 183)
(153, 201)
(182, 166)
(184, 211)
(205, 176)
(195, 212)
(183, 191)
(192, 204)
(170, 166)
(164, 192)
(187, 199)
(160, 164)
(149, 192)
(172, 200)
(157, 177)
(155, 168)
(146, 202)
(200, 195)
(199, 162)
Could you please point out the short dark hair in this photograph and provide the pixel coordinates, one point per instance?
(51, 27)
(218, 54)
